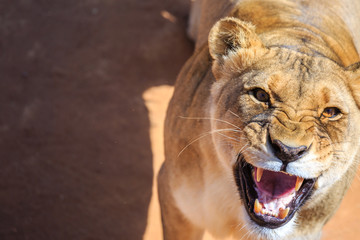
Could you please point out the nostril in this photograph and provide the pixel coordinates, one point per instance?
(275, 147)
(286, 153)
(302, 152)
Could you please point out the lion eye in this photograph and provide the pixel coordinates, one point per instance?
(331, 112)
(261, 95)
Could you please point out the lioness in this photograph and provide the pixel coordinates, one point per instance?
(262, 133)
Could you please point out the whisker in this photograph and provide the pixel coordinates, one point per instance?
(206, 134)
(240, 229)
(237, 140)
(247, 235)
(243, 149)
(208, 118)
(196, 139)
(243, 226)
(234, 114)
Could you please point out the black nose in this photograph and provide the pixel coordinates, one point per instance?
(288, 154)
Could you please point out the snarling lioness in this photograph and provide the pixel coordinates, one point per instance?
(262, 133)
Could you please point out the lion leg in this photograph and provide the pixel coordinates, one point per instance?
(175, 225)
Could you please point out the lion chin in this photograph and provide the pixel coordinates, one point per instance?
(262, 132)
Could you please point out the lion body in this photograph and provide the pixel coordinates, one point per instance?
(299, 53)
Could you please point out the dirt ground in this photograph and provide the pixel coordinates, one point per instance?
(78, 147)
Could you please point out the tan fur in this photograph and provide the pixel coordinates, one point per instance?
(303, 54)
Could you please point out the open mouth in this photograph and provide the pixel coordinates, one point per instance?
(271, 198)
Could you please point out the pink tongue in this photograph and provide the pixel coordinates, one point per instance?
(276, 184)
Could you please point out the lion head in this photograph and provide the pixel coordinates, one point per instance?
(289, 119)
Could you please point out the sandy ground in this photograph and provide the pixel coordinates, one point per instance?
(79, 145)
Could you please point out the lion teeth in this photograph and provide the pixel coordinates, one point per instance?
(298, 184)
(283, 212)
(269, 213)
(286, 173)
(257, 206)
(259, 173)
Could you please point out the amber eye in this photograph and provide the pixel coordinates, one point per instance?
(331, 112)
(261, 95)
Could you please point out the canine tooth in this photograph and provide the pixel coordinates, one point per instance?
(257, 206)
(298, 184)
(259, 173)
(283, 212)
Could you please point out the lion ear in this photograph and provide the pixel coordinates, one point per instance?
(231, 38)
(354, 71)
(231, 34)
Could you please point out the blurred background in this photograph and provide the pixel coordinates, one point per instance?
(76, 158)
(75, 155)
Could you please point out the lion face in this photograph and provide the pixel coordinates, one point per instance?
(289, 121)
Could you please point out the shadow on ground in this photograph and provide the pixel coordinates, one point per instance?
(75, 153)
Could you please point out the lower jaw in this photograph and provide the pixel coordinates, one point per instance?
(243, 178)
